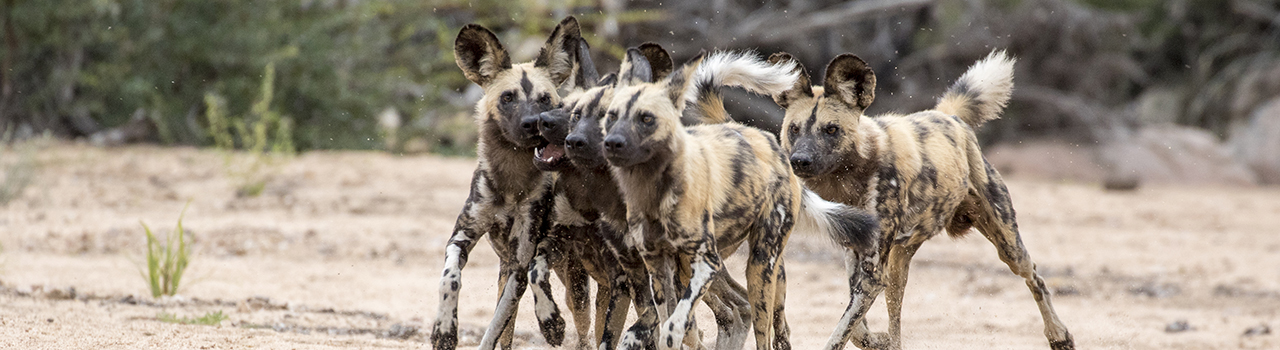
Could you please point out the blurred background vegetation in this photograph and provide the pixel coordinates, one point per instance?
(379, 74)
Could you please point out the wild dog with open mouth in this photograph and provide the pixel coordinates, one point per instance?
(921, 173)
(693, 194)
(509, 196)
(582, 203)
(587, 195)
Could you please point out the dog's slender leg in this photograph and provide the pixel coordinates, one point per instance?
(998, 223)
(781, 332)
(549, 254)
(728, 302)
(899, 265)
(762, 288)
(527, 231)
(640, 335)
(864, 286)
(692, 340)
(705, 265)
(578, 296)
(444, 333)
(611, 311)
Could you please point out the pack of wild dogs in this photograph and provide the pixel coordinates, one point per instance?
(640, 181)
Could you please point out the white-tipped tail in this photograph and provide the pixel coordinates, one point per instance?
(847, 226)
(982, 92)
(742, 69)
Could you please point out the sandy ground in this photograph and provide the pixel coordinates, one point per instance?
(344, 250)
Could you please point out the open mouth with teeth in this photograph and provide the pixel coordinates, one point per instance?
(550, 156)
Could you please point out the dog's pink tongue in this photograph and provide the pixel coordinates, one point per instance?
(551, 152)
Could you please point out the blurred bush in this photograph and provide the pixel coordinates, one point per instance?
(380, 73)
(80, 67)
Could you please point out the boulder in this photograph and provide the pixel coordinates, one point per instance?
(1257, 142)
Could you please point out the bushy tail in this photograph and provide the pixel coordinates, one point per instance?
(982, 92)
(847, 226)
(742, 69)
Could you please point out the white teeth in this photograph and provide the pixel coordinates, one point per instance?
(537, 152)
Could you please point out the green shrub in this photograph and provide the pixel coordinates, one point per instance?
(264, 135)
(167, 260)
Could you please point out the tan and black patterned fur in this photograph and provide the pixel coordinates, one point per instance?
(696, 193)
(588, 208)
(922, 173)
(509, 196)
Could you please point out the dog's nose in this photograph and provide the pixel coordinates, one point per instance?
(530, 124)
(614, 143)
(801, 161)
(575, 141)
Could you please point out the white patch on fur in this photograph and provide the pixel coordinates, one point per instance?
(543, 305)
(444, 316)
(817, 216)
(742, 69)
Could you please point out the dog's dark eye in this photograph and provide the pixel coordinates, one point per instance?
(831, 129)
(576, 115)
(544, 100)
(646, 118)
(612, 115)
(507, 97)
(794, 129)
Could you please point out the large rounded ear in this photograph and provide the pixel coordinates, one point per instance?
(635, 69)
(850, 80)
(802, 88)
(587, 75)
(479, 54)
(561, 50)
(680, 80)
(659, 60)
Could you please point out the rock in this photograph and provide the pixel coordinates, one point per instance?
(1178, 326)
(1257, 142)
(1171, 154)
(1262, 329)
(1046, 160)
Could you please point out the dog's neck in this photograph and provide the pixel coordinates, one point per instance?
(511, 170)
(646, 185)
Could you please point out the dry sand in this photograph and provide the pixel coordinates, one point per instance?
(344, 249)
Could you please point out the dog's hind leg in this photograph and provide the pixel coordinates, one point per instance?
(762, 273)
(781, 332)
(899, 266)
(997, 222)
(728, 302)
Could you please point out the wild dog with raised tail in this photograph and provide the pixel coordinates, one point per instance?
(509, 196)
(922, 173)
(696, 193)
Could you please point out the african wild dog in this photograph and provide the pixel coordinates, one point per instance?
(509, 195)
(693, 194)
(921, 173)
(587, 195)
(582, 203)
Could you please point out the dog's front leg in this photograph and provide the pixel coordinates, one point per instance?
(444, 333)
(705, 265)
(548, 313)
(526, 232)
